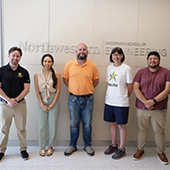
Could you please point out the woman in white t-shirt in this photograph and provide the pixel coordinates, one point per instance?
(120, 82)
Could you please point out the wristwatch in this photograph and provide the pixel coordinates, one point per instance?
(154, 100)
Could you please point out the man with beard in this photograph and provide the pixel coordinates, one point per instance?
(81, 76)
(14, 86)
(152, 87)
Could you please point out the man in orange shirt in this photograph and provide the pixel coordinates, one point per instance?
(81, 76)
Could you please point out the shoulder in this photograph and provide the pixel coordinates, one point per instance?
(36, 74)
(164, 72)
(143, 70)
(57, 74)
(91, 64)
(70, 62)
(22, 69)
(3, 67)
(164, 69)
(110, 67)
(126, 67)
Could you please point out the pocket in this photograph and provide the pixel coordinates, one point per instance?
(91, 98)
(72, 98)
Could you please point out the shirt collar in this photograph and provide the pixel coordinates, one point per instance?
(8, 66)
(85, 64)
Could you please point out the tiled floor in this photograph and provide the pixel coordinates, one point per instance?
(80, 160)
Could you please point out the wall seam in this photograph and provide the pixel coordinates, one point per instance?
(94, 27)
(1, 23)
(49, 21)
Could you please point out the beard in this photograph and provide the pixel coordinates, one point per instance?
(155, 66)
(14, 62)
(81, 58)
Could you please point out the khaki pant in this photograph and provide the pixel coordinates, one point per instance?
(19, 113)
(158, 119)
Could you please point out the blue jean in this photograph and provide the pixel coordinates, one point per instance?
(80, 108)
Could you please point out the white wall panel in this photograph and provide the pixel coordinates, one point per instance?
(115, 21)
(154, 28)
(1, 31)
(26, 22)
(71, 22)
(55, 26)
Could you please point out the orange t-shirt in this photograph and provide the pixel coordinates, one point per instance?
(80, 77)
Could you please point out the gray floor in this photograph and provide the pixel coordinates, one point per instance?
(80, 160)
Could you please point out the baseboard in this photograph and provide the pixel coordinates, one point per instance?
(94, 143)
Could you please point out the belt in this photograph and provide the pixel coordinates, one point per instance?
(83, 96)
(4, 101)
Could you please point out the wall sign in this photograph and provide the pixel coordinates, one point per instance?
(129, 48)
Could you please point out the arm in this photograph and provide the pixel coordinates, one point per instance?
(38, 93)
(129, 87)
(58, 87)
(138, 93)
(161, 96)
(11, 102)
(95, 82)
(140, 96)
(65, 81)
(24, 92)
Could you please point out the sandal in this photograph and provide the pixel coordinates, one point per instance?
(42, 152)
(49, 152)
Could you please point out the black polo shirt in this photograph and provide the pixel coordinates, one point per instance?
(13, 81)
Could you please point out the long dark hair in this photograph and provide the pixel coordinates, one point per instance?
(52, 70)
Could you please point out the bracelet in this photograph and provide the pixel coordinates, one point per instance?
(154, 100)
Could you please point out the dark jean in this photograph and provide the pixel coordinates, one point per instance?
(80, 108)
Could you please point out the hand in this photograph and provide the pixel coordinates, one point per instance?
(149, 104)
(50, 107)
(12, 102)
(45, 108)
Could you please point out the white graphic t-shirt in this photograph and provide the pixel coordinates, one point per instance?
(117, 92)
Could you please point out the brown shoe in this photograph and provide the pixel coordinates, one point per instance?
(162, 157)
(138, 154)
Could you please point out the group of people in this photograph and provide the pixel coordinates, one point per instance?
(151, 86)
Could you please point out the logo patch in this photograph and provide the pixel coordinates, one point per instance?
(113, 76)
(20, 75)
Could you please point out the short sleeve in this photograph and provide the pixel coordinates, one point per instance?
(65, 71)
(137, 77)
(95, 72)
(129, 77)
(27, 77)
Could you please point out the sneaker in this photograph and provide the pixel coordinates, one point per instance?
(119, 154)
(1, 155)
(162, 157)
(110, 150)
(89, 150)
(138, 154)
(70, 150)
(24, 155)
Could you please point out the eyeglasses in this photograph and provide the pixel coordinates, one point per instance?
(115, 55)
